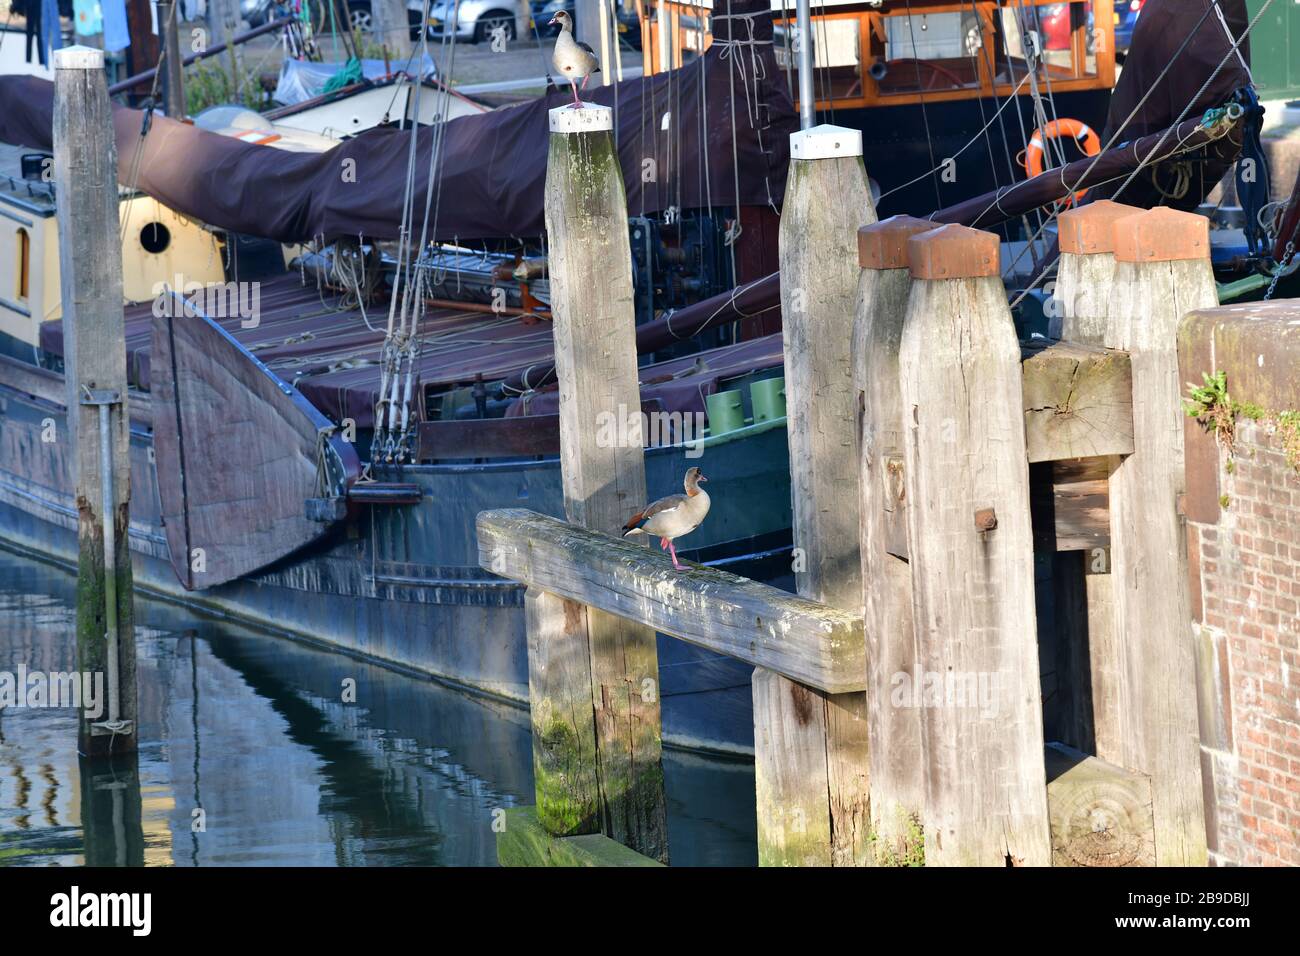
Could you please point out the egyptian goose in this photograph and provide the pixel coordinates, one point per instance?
(673, 516)
(572, 57)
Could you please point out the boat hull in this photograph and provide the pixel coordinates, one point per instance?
(401, 584)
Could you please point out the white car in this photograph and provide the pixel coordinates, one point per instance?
(475, 19)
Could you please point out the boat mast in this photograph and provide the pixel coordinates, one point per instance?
(804, 20)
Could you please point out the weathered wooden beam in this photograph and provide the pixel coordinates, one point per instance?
(1081, 294)
(1162, 272)
(594, 325)
(827, 198)
(525, 842)
(977, 677)
(90, 264)
(1078, 401)
(812, 643)
(896, 757)
(1100, 813)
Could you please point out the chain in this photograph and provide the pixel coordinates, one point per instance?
(1281, 268)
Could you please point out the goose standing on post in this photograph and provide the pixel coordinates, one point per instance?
(572, 57)
(673, 516)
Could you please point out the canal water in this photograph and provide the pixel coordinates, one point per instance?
(249, 755)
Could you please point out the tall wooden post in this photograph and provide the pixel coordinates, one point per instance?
(897, 757)
(810, 749)
(604, 482)
(1162, 272)
(1083, 580)
(90, 263)
(971, 551)
(173, 83)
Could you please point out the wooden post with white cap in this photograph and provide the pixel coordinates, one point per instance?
(971, 554)
(90, 268)
(598, 766)
(1162, 272)
(896, 755)
(810, 749)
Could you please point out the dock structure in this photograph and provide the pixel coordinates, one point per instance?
(90, 263)
(970, 454)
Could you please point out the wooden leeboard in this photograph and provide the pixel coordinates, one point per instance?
(236, 454)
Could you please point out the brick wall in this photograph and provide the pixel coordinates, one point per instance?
(1243, 512)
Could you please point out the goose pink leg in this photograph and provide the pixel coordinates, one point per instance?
(577, 103)
(673, 552)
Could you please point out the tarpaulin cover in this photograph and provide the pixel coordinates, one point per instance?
(492, 167)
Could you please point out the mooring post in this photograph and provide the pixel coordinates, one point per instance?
(604, 484)
(90, 263)
(896, 755)
(1162, 272)
(173, 73)
(971, 554)
(1087, 659)
(810, 749)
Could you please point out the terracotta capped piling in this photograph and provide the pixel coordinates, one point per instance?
(954, 252)
(1089, 229)
(1161, 235)
(883, 245)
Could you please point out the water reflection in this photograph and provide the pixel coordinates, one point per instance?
(249, 755)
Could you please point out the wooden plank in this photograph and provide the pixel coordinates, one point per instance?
(977, 682)
(594, 326)
(90, 269)
(827, 199)
(563, 722)
(897, 759)
(524, 842)
(1071, 501)
(812, 643)
(1100, 813)
(791, 779)
(1162, 272)
(1078, 401)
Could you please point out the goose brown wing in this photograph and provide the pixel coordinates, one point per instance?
(663, 504)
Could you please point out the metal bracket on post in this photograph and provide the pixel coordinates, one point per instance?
(105, 399)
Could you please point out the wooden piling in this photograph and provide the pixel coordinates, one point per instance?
(971, 548)
(173, 73)
(604, 483)
(1162, 272)
(90, 263)
(1085, 589)
(1087, 263)
(896, 755)
(1100, 813)
(827, 199)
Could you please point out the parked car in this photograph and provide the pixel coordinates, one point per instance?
(360, 18)
(475, 21)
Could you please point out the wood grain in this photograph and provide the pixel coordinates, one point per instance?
(1100, 813)
(815, 644)
(826, 201)
(1154, 640)
(973, 590)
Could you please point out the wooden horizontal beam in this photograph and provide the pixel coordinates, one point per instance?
(524, 842)
(818, 646)
(1101, 814)
(1078, 401)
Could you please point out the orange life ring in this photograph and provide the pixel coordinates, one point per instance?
(1083, 134)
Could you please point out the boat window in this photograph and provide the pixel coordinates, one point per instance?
(24, 242)
(836, 43)
(155, 238)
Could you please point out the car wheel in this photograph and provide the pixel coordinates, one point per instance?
(490, 21)
(361, 20)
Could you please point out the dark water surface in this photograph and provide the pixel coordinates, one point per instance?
(253, 731)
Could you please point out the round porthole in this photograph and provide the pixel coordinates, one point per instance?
(155, 237)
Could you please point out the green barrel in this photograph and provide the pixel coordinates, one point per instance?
(726, 412)
(768, 395)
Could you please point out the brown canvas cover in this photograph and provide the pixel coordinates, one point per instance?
(676, 141)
